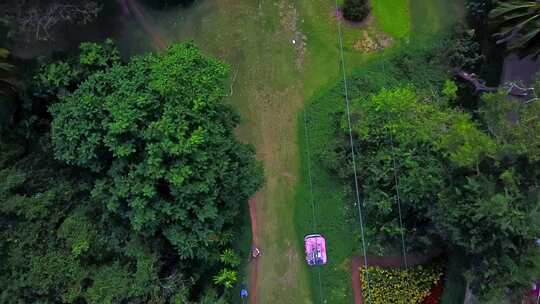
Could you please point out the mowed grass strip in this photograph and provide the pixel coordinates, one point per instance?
(393, 17)
(434, 15)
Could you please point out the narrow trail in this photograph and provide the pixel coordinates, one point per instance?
(132, 8)
(254, 264)
(356, 263)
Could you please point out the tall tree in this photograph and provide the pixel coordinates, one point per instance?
(74, 229)
(161, 141)
(401, 137)
(476, 191)
(58, 245)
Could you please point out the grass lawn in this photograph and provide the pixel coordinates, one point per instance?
(393, 16)
(434, 15)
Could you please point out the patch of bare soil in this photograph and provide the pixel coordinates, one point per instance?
(289, 20)
(371, 42)
(132, 7)
(292, 255)
(254, 265)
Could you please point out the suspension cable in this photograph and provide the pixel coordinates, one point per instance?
(398, 200)
(346, 91)
(396, 186)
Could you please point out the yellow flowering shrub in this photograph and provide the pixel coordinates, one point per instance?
(399, 286)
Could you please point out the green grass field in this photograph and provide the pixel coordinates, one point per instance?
(393, 16)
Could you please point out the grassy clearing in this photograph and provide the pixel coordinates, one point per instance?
(393, 16)
(334, 223)
(434, 15)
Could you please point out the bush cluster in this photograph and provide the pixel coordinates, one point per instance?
(406, 286)
(355, 10)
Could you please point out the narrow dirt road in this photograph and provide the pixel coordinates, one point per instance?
(131, 7)
(254, 264)
(356, 263)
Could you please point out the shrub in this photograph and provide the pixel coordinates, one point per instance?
(355, 10)
(409, 285)
(226, 277)
(229, 257)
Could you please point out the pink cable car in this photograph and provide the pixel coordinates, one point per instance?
(315, 245)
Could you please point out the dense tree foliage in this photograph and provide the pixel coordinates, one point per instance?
(475, 190)
(417, 140)
(162, 140)
(57, 244)
(133, 193)
(355, 10)
(62, 77)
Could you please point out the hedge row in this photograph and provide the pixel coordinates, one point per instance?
(399, 286)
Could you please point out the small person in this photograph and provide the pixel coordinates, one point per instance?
(243, 291)
(255, 252)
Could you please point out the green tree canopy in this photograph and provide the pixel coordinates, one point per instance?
(161, 141)
(473, 190)
(515, 125)
(141, 202)
(58, 246)
(398, 133)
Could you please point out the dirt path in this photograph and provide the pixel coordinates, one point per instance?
(131, 7)
(254, 264)
(357, 263)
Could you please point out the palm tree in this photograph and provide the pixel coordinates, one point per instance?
(518, 23)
